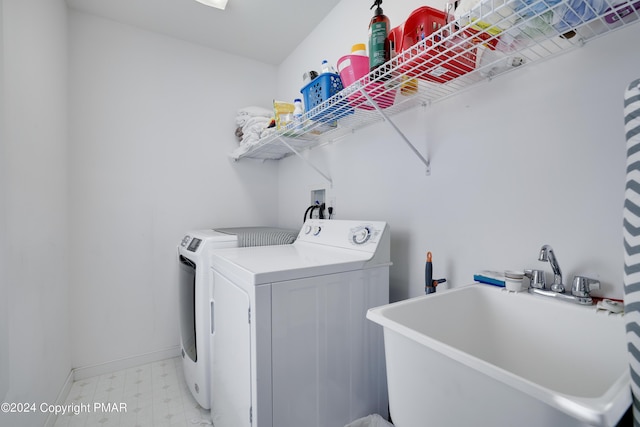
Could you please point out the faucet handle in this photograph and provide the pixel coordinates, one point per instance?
(582, 286)
(536, 278)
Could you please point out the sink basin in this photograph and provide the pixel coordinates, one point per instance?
(482, 356)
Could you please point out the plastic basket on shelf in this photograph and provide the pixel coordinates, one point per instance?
(485, 20)
(320, 90)
(429, 51)
(353, 68)
(541, 19)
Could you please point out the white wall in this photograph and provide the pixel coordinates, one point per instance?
(531, 158)
(152, 121)
(4, 244)
(34, 193)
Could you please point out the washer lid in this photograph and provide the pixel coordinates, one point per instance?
(267, 264)
(323, 247)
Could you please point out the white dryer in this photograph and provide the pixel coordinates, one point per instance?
(290, 343)
(195, 276)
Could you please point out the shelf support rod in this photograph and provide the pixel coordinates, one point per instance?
(311, 165)
(386, 118)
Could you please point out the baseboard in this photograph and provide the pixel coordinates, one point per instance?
(125, 363)
(62, 397)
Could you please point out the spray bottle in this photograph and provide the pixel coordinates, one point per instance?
(379, 45)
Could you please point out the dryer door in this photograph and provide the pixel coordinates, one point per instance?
(231, 354)
(187, 291)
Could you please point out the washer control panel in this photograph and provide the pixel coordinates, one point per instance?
(361, 235)
(192, 244)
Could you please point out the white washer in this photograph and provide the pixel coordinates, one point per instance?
(194, 280)
(290, 342)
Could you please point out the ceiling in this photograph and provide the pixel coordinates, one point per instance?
(266, 31)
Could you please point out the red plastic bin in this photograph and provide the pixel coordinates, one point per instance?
(442, 57)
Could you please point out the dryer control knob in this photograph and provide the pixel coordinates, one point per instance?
(307, 229)
(317, 230)
(361, 235)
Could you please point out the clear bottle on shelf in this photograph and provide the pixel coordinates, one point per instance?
(298, 111)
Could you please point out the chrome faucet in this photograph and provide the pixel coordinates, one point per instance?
(536, 278)
(547, 254)
(581, 287)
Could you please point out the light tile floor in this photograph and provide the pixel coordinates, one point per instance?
(152, 395)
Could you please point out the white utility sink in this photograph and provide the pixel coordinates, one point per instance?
(482, 356)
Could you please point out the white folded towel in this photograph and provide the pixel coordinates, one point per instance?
(249, 140)
(254, 126)
(246, 113)
(256, 121)
(252, 122)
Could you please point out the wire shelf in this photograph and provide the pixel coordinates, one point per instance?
(492, 39)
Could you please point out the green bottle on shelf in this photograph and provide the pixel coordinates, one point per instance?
(379, 46)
